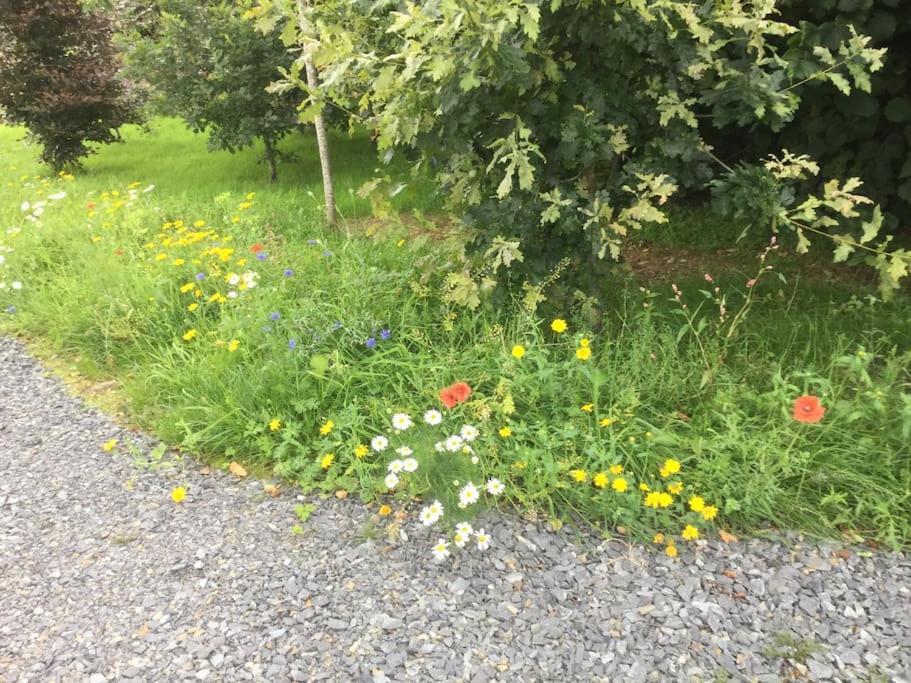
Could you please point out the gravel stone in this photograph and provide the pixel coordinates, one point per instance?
(104, 578)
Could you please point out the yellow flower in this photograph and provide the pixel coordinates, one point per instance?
(579, 475)
(616, 469)
(187, 287)
(189, 335)
(275, 424)
(658, 499)
(587, 408)
(631, 439)
(659, 538)
(583, 353)
(326, 462)
(584, 342)
(665, 499)
(675, 488)
(651, 499)
(619, 485)
(600, 480)
(233, 345)
(709, 512)
(361, 451)
(178, 494)
(178, 262)
(558, 326)
(671, 466)
(400, 243)
(160, 257)
(606, 421)
(671, 551)
(199, 224)
(697, 503)
(327, 427)
(505, 432)
(193, 306)
(384, 511)
(644, 487)
(109, 446)
(518, 351)
(690, 533)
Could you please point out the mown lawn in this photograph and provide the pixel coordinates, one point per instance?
(351, 328)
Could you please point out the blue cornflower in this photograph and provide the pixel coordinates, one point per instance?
(385, 334)
(312, 242)
(261, 256)
(370, 343)
(292, 344)
(327, 253)
(10, 309)
(288, 272)
(337, 325)
(200, 276)
(275, 315)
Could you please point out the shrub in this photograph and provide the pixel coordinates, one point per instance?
(59, 77)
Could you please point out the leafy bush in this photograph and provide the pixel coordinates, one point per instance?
(564, 126)
(212, 68)
(60, 77)
(850, 133)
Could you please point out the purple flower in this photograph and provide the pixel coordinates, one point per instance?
(288, 272)
(200, 276)
(370, 343)
(275, 315)
(292, 344)
(312, 242)
(10, 309)
(385, 334)
(261, 256)
(337, 325)
(327, 253)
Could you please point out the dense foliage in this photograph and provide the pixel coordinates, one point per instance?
(211, 67)
(857, 133)
(559, 129)
(59, 77)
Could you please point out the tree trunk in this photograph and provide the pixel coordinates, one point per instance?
(270, 158)
(322, 141)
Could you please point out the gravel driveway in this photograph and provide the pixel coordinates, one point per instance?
(102, 577)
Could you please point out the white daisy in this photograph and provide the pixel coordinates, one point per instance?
(482, 539)
(469, 432)
(465, 528)
(433, 417)
(437, 508)
(232, 294)
(427, 516)
(233, 279)
(404, 451)
(401, 421)
(475, 460)
(391, 481)
(410, 465)
(495, 487)
(453, 443)
(379, 443)
(468, 495)
(460, 539)
(439, 447)
(396, 466)
(441, 550)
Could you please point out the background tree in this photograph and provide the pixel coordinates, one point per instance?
(209, 65)
(60, 77)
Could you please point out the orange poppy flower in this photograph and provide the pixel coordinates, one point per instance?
(447, 397)
(256, 248)
(460, 391)
(808, 409)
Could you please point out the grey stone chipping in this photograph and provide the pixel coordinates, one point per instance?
(103, 578)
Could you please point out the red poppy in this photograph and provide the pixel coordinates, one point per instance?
(447, 397)
(460, 391)
(118, 252)
(90, 205)
(256, 248)
(808, 409)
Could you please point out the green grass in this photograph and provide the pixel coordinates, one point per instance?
(94, 291)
